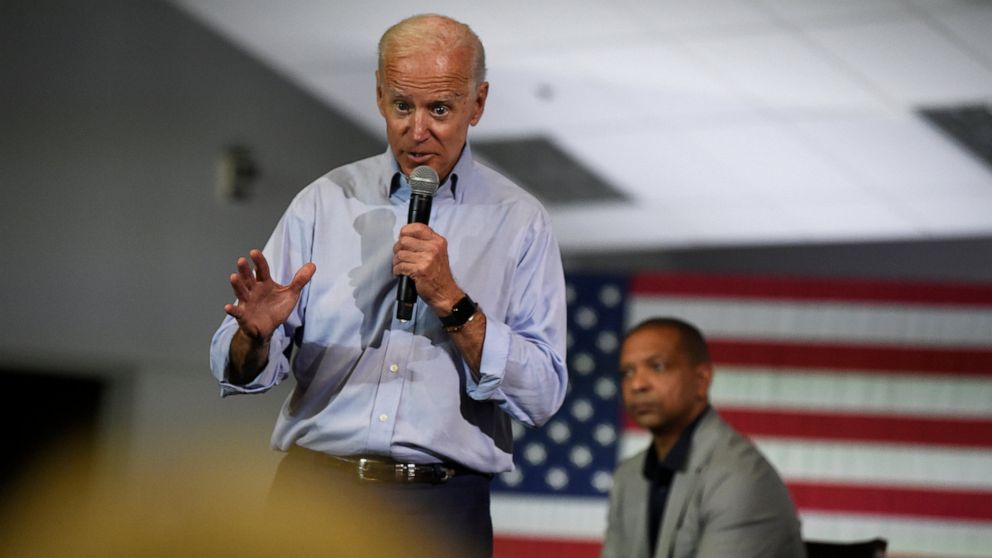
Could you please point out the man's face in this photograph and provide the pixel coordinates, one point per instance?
(662, 390)
(428, 102)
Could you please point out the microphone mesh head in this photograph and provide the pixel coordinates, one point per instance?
(423, 181)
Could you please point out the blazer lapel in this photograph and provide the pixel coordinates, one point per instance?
(642, 549)
(638, 500)
(683, 486)
(684, 483)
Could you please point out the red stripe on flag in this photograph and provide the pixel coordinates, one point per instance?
(786, 288)
(900, 429)
(854, 427)
(525, 547)
(876, 358)
(899, 501)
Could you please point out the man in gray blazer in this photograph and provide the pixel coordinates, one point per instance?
(701, 489)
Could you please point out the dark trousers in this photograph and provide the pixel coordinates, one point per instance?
(449, 519)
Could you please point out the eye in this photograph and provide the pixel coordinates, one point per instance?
(658, 365)
(439, 110)
(402, 106)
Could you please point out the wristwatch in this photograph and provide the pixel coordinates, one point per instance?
(461, 314)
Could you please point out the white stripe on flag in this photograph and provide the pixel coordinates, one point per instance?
(796, 388)
(921, 325)
(879, 464)
(552, 516)
(905, 536)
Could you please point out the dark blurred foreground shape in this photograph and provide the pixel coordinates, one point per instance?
(205, 504)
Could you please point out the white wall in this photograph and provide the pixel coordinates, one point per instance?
(115, 249)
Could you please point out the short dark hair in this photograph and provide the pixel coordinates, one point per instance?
(691, 340)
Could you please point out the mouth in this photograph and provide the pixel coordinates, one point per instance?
(637, 409)
(419, 157)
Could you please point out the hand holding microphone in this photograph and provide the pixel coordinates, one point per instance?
(423, 184)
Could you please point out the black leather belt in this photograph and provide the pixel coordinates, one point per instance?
(381, 469)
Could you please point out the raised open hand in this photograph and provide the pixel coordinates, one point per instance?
(263, 305)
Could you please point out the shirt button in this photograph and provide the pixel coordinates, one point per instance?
(383, 418)
(393, 368)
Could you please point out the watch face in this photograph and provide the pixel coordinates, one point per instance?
(460, 314)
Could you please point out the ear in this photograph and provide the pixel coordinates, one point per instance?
(379, 96)
(704, 373)
(480, 102)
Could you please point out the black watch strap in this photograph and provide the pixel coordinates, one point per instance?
(463, 310)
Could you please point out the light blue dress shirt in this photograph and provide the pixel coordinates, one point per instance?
(367, 383)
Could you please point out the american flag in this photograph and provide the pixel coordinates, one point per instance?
(873, 399)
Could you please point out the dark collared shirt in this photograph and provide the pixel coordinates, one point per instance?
(660, 472)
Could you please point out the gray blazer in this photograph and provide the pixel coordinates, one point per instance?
(727, 502)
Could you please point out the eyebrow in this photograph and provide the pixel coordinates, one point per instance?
(652, 357)
(394, 93)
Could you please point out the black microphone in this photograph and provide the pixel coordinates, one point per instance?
(423, 184)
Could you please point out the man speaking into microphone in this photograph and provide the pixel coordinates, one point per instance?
(413, 410)
(423, 185)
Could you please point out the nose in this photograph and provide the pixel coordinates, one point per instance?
(636, 379)
(421, 126)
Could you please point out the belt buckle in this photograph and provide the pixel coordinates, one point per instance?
(370, 470)
(363, 470)
(401, 472)
(406, 472)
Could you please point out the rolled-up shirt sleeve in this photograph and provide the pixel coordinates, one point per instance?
(523, 357)
(275, 371)
(287, 250)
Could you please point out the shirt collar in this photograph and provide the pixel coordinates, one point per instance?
(662, 469)
(399, 187)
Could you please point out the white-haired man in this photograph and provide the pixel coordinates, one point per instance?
(416, 411)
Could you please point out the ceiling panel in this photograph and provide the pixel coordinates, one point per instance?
(700, 17)
(817, 13)
(772, 159)
(644, 225)
(861, 221)
(909, 61)
(784, 70)
(897, 155)
(662, 166)
(970, 28)
(653, 80)
(550, 100)
(724, 121)
(943, 215)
